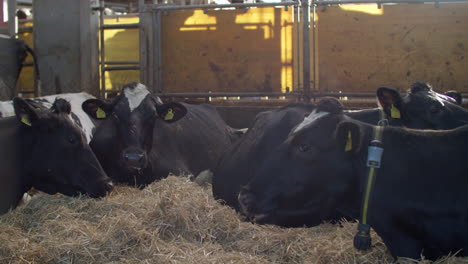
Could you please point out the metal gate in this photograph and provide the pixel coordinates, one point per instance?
(342, 49)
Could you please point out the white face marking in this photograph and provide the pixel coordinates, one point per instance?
(75, 100)
(310, 119)
(136, 95)
(441, 98)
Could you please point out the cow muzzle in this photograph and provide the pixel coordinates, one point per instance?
(135, 159)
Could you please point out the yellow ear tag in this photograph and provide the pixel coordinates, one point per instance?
(394, 112)
(100, 113)
(349, 142)
(25, 120)
(169, 115)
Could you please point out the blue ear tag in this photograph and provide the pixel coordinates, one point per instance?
(374, 154)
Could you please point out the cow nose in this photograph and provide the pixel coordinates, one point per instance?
(135, 159)
(108, 186)
(246, 201)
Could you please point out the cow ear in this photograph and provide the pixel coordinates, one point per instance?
(457, 96)
(349, 137)
(25, 113)
(171, 112)
(96, 108)
(61, 106)
(390, 101)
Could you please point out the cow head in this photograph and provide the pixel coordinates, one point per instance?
(54, 153)
(422, 108)
(308, 178)
(132, 117)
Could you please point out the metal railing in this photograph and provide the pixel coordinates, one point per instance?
(104, 65)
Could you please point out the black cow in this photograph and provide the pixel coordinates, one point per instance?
(77, 115)
(419, 195)
(142, 140)
(420, 108)
(14, 52)
(45, 150)
(423, 108)
(238, 164)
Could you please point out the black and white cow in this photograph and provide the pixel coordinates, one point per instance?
(142, 139)
(421, 107)
(418, 203)
(42, 148)
(14, 52)
(77, 115)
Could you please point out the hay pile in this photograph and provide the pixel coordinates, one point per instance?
(171, 221)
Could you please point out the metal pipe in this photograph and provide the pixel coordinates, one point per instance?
(314, 49)
(120, 68)
(121, 62)
(212, 6)
(25, 29)
(102, 49)
(337, 2)
(121, 26)
(12, 27)
(157, 81)
(220, 94)
(306, 47)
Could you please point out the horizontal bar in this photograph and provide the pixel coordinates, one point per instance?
(121, 62)
(121, 26)
(121, 16)
(221, 94)
(120, 68)
(149, 8)
(350, 94)
(337, 2)
(25, 29)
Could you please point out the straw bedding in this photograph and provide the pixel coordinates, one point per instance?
(170, 221)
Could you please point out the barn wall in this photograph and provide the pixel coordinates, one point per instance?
(227, 50)
(361, 50)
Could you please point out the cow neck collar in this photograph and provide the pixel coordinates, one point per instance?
(362, 240)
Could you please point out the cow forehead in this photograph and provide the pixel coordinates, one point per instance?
(308, 120)
(135, 95)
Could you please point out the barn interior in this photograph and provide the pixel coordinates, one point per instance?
(244, 57)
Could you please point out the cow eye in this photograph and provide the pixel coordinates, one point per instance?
(304, 147)
(72, 140)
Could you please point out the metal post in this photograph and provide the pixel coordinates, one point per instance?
(143, 37)
(102, 91)
(157, 82)
(12, 18)
(306, 47)
(314, 50)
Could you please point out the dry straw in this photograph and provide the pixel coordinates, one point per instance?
(170, 221)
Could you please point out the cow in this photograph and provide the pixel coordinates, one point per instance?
(421, 107)
(42, 148)
(14, 52)
(77, 115)
(141, 139)
(239, 162)
(418, 201)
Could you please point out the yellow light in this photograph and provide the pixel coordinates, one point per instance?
(371, 9)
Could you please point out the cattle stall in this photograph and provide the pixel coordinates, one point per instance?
(253, 54)
(258, 51)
